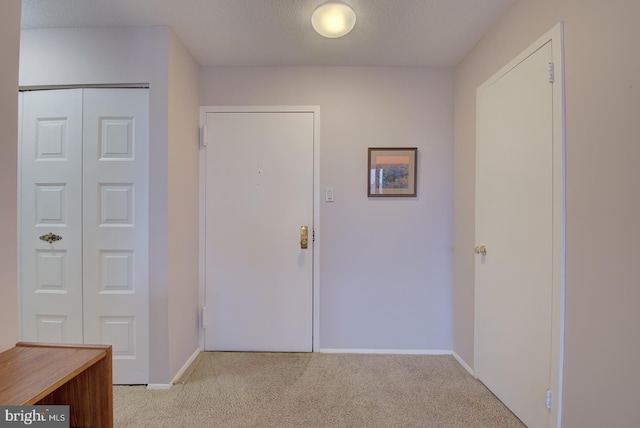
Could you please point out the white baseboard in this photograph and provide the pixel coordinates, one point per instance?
(184, 368)
(463, 364)
(386, 351)
(159, 386)
(401, 352)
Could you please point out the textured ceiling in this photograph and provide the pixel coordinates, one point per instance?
(279, 32)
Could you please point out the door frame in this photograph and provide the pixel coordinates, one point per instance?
(316, 205)
(555, 37)
(19, 212)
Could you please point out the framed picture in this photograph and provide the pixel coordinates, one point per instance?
(392, 171)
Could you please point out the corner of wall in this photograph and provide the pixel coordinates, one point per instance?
(9, 49)
(183, 203)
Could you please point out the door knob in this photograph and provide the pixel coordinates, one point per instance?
(304, 237)
(50, 238)
(481, 250)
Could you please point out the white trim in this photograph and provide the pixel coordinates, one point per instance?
(185, 366)
(559, 225)
(316, 203)
(316, 229)
(19, 214)
(26, 88)
(203, 233)
(464, 364)
(555, 36)
(159, 386)
(386, 351)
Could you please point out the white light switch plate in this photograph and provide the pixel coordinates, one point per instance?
(328, 194)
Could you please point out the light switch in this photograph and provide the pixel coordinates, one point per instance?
(328, 194)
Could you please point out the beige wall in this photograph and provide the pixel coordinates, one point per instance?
(9, 48)
(385, 263)
(183, 158)
(602, 71)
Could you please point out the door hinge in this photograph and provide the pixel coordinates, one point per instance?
(549, 398)
(204, 317)
(313, 236)
(551, 73)
(203, 136)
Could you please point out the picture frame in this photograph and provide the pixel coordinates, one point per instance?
(392, 172)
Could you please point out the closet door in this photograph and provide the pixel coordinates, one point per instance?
(51, 203)
(84, 180)
(115, 229)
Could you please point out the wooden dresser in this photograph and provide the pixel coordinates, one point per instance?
(79, 376)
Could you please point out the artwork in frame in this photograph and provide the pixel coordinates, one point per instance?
(392, 171)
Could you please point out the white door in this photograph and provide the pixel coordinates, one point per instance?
(259, 193)
(115, 231)
(84, 178)
(515, 223)
(51, 202)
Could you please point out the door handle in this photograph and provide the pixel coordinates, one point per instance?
(481, 250)
(304, 237)
(50, 238)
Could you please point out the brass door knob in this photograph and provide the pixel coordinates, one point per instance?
(50, 238)
(304, 237)
(481, 250)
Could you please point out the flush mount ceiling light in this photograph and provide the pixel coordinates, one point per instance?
(333, 19)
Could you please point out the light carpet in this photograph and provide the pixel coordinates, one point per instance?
(228, 389)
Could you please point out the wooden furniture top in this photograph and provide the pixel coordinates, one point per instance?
(29, 372)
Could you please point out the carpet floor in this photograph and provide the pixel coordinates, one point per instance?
(228, 389)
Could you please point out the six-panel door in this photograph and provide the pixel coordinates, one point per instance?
(84, 178)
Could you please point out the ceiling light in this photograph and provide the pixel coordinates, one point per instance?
(333, 19)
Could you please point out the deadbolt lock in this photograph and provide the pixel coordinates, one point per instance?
(481, 250)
